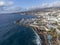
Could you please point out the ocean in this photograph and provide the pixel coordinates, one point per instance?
(14, 34)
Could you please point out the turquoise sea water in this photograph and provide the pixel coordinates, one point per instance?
(14, 34)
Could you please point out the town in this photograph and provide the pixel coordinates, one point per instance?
(46, 24)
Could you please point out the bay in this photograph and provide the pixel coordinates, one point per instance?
(14, 34)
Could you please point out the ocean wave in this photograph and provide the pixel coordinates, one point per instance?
(37, 40)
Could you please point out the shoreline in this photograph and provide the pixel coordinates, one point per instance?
(44, 27)
(43, 38)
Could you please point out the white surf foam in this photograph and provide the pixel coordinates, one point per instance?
(38, 40)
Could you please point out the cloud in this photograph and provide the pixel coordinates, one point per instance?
(53, 4)
(2, 3)
(5, 5)
(46, 5)
(8, 7)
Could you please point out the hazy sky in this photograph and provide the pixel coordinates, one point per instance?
(13, 5)
(29, 3)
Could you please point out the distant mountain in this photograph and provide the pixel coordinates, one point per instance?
(35, 10)
(48, 9)
(45, 9)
